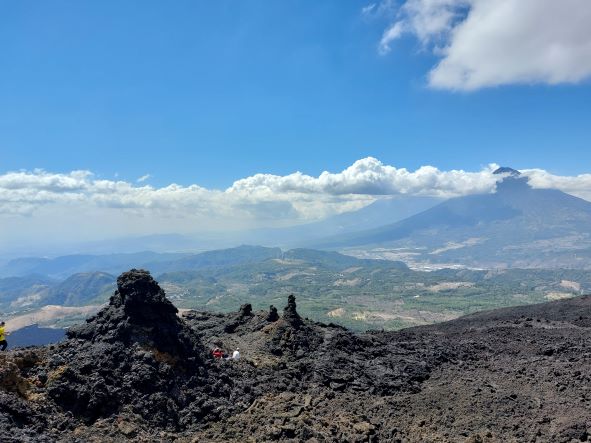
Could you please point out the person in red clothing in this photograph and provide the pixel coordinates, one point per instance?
(217, 353)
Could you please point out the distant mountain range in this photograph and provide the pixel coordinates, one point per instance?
(37, 282)
(43, 270)
(517, 226)
(63, 266)
(18, 294)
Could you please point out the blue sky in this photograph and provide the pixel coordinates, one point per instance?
(211, 92)
(228, 99)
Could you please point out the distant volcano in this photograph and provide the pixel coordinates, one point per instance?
(506, 170)
(516, 226)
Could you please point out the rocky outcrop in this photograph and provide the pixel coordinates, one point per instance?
(290, 314)
(139, 372)
(272, 316)
(140, 314)
(243, 316)
(136, 355)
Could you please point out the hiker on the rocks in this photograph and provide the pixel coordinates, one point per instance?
(217, 353)
(3, 334)
(236, 354)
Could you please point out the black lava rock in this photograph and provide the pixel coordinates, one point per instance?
(273, 315)
(290, 314)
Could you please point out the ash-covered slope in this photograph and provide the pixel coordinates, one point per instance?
(137, 371)
(517, 226)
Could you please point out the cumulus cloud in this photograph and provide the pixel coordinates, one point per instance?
(579, 185)
(41, 203)
(371, 177)
(484, 43)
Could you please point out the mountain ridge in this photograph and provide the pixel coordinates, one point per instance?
(505, 226)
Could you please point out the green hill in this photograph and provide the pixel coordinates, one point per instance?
(82, 289)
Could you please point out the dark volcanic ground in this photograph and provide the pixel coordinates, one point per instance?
(137, 371)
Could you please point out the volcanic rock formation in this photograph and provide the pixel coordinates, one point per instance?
(290, 314)
(136, 353)
(273, 315)
(140, 314)
(137, 371)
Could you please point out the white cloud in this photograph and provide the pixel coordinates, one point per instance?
(579, 185)
(35, 205)
(366, 10)
(143, 178)
(371, 177)
(390, 34)
(484, 43)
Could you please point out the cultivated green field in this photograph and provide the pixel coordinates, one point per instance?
(330, 287)
(363, 294)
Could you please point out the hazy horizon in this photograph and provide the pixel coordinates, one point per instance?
(130, 120)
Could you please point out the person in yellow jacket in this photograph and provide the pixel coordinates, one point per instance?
(3, 335)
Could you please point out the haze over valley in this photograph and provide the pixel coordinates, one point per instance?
(514, 246)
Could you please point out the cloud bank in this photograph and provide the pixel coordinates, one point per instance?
(38, 203)
(484, 43)
(371, 177)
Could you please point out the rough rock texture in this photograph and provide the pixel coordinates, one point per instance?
(140, 313)
(138, 372)
(244, 314)
(290, 314)
(134, 352)
(272, 315)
